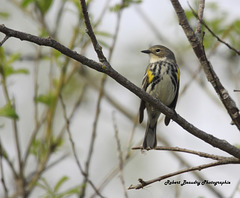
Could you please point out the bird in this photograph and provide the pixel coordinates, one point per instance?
(161, 80)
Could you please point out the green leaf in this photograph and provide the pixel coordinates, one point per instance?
(10, 71)
(45, 99)
(4, 15)
(104, 44)
(3, 152)
(212, 6)
(123, 5)
(8, 111)
(189, 14)
(7, 68)
(43, 32)
(44, 185)
(72, 191)
(21, 71)
(76, 4)
(39, 149)
(102, 33)
(57, 54)
(25, 3)
(2, 126)
(44, 5)
(13, 58)
(60, 183)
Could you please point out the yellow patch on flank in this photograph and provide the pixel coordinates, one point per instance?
(178, 74)
(104, 66)
(150, 76)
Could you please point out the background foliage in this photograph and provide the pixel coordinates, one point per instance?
(55, 110)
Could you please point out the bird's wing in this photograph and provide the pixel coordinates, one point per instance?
(147, 79)
(174, 102)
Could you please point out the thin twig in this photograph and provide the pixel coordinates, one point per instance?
(20, 175)
(92, 36)
(38, 123)
(213, 34)
(186, 164)
(4, 155)
(102, 59)
(93, 135)
(200, 16)
(150, 24)
(21, 184)
(70, 135)
(212, 77)
(2, 171)
(201, 154)
(75, 107)
(201, 167)
(33, 136)
(51, 165)
(4, 40)
(102, 14)
(113, 173)
(50, 116)
(74, 149)
(58, 18)
(119, 155)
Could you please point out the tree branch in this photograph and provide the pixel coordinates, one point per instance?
(201, 154)
(4, 40)
(218, 143)
(200, 16)
(201, 167)
(92, 36)
(213, 34)
(2, 171)
(120, 155)
(212, 77)
(74, 149)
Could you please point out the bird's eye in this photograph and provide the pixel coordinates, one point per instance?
(158, 50)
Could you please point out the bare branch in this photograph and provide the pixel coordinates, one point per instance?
(120, 157)
(201, 154)
(4, 40)
(212, 77)
(74, 150)
(20, 175)
(200, 17)
(3, 155)
(92, 36)
(150, 24)
(213, 34)
(70, 135)
(2, 171)
(218, 143)
(93, 137)
(201, 167)
(186, 164)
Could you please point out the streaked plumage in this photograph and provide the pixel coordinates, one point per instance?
(161, 80)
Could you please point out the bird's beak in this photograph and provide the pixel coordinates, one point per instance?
(146, 51)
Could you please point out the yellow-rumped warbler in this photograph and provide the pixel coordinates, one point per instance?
(161, 81)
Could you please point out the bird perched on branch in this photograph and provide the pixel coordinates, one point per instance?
(161, 80)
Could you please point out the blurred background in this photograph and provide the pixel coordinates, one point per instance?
(37, 78)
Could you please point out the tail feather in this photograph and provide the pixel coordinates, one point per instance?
(150, 140)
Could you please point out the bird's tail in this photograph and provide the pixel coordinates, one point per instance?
(150, 140)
